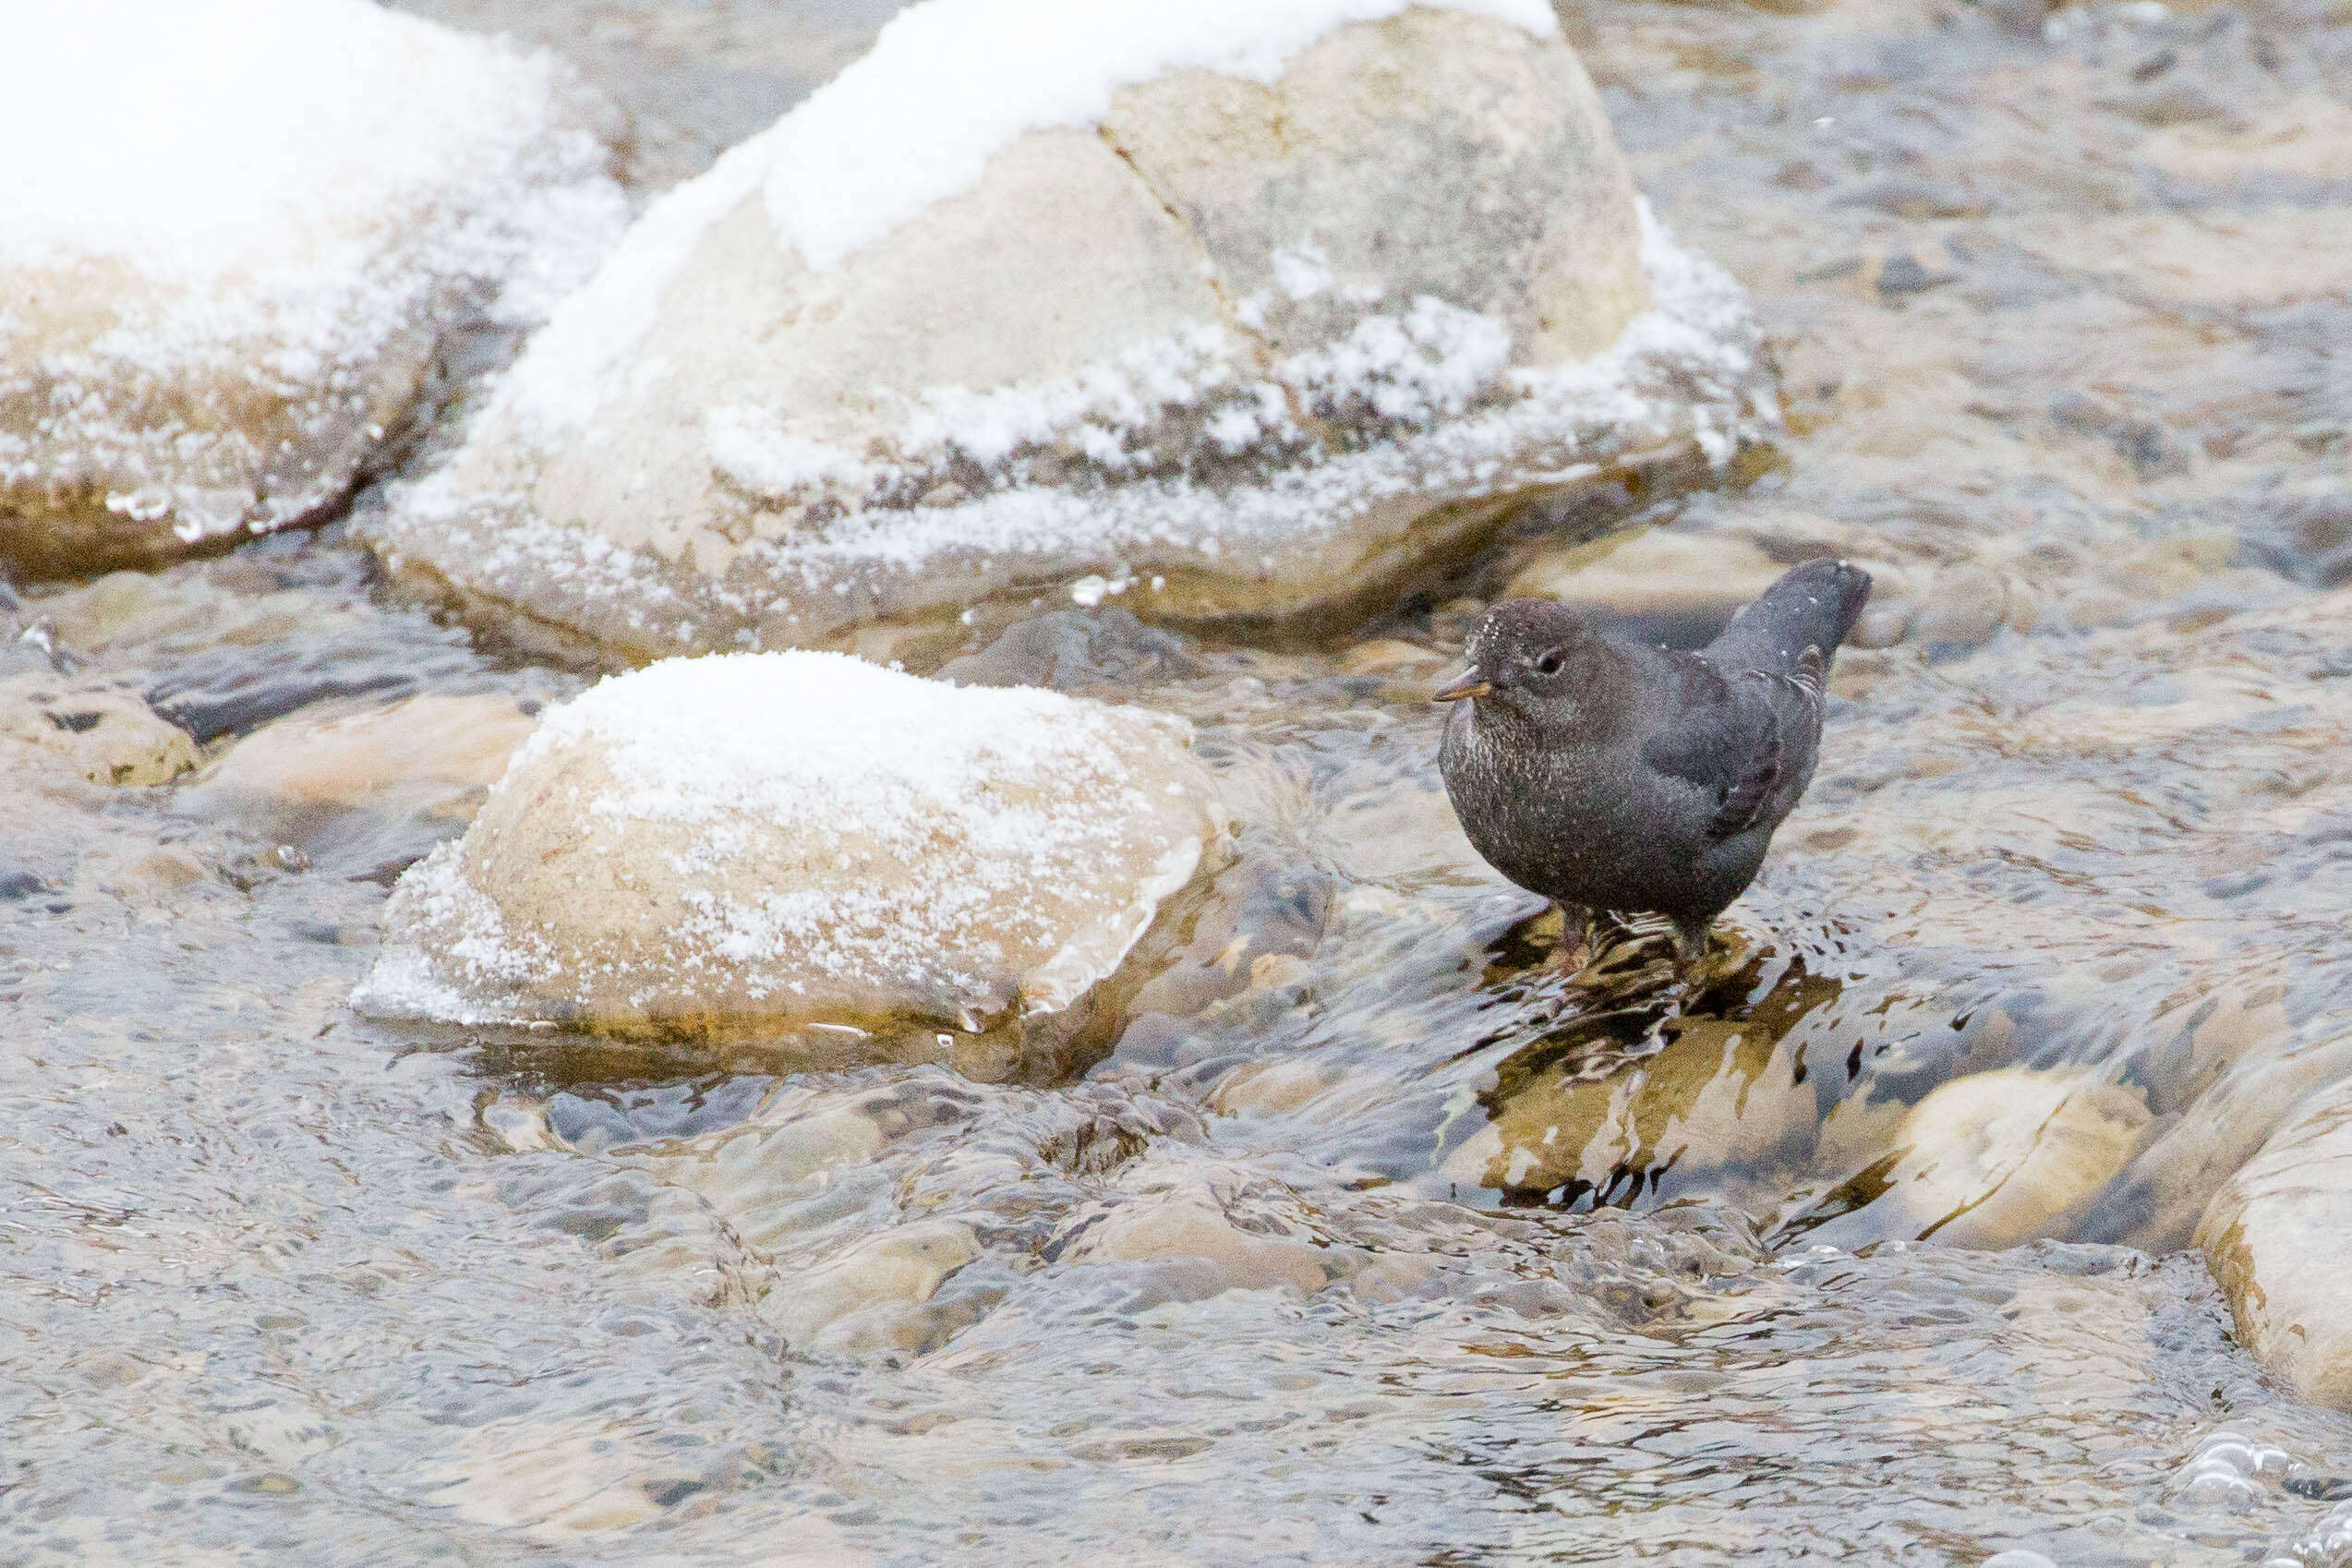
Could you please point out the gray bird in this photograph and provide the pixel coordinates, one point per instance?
(1608, 774)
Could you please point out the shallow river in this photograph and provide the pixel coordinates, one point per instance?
(1365, 1241)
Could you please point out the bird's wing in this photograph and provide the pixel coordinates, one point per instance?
(1732, 739)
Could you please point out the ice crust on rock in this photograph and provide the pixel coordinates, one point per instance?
(766, 840)
(231, 232)
(1323, 292)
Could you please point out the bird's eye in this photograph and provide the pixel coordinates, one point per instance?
(1550, 662)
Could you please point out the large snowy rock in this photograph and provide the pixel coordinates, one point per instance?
(229, 233)
(2275, 1236)
(752, 843)
(1243, 307)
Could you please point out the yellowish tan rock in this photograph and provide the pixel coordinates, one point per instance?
(98, 731)
(1720, 1101)
(434, 756)
(1996, 1158)
(849, 1302)
(1650, 571)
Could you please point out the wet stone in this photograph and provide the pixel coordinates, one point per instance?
(1994, 1158)
(1075, 650)
(1678, 588)
(433, 754)
(2272, 1234)
(1273, 381)
(92, 729)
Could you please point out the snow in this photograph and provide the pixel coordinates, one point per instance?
(1424, 364)
(196, 138)
(1303, 270)
(828, 744)
(842, 821)
(913, 123)
(1106, 412)
(260, 198)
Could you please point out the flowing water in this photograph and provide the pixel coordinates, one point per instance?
(1370, 1239)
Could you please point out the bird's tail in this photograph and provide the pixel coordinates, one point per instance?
(1814, 606)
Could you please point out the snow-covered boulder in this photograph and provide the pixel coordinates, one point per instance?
(1234, 308)
(752, 843)
(229, 233)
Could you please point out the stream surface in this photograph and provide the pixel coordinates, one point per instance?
(1371, 1240)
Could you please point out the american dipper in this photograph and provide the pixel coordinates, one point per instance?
(1608, 773)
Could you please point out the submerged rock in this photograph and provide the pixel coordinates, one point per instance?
(92, 729)
(2275, 1237)
(759, 843)
(1993, 1159)
(213, 327)
(1721, 1100)
(1235, 312)
(431, 754)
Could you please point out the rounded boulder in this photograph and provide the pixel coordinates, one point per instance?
(2274, 1238)
(758, 843)
(1234, 310)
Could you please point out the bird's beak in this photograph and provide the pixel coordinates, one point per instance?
(1462, 683)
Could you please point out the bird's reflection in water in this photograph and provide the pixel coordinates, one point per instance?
(1630, 1076)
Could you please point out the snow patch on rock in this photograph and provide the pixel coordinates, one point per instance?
(1460, 423)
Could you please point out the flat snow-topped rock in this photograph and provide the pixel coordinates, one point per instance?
(1238, 308)
(229, 233)
(754, 843)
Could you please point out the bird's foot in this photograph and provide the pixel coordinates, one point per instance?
(1575, 948)
(1712, 957)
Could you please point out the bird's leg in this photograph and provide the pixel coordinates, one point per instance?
(1575, 938)
(1690, 943)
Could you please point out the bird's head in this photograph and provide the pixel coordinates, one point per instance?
(1534, 656)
